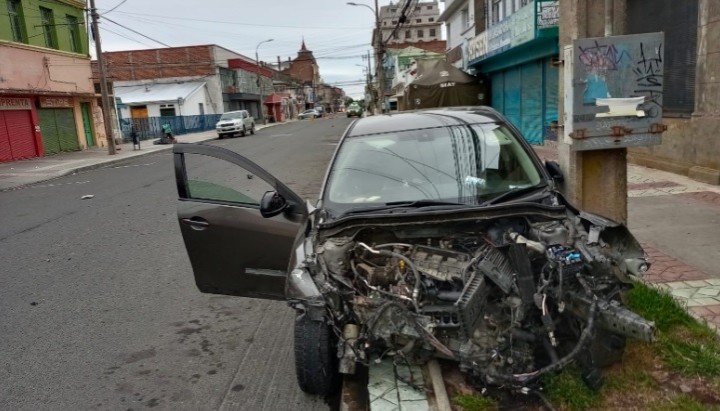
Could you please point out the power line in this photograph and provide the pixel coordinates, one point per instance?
(124, 36)
(235, 23)
(121, 3)
(137, 32)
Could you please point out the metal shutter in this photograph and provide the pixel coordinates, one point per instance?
(5, 150)
(531, 104)
(58, 130)
(67, 130)
(46, 119)
(20, 132)
(512, 96)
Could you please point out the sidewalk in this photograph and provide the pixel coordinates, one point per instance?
(17, 174)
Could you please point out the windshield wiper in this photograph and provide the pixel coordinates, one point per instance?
(402, 204)
(513, 192)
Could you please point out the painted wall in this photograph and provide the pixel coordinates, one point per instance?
(43, 70)
(33, 32)
(190, 106)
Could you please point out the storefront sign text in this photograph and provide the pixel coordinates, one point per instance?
(14, 103)
(55, 102)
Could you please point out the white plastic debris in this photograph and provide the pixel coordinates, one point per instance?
(87, 197)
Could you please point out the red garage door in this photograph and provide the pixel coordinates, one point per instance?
(17, 139)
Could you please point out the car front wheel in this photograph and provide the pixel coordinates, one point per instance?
(242, 132)
(252, 129)
(316, 363)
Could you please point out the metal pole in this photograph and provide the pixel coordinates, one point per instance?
(260, 86)
(379, 59)
(103, 80)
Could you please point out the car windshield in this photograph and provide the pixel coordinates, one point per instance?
(458, 164)
(231, 116)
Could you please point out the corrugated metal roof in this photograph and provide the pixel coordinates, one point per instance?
(155, 93)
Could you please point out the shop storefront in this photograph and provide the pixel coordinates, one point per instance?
(517, 55)
(56, 118)
(18, 138)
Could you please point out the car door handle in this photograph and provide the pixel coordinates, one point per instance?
(196, 222)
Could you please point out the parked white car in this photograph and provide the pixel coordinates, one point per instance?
(311, 113)
(234, 122)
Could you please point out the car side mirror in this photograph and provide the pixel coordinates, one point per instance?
(555, 172)
(272, 204)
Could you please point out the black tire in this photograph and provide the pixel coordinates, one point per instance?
(220, 136)
(316, 362)
(252, 129)
(243, 133)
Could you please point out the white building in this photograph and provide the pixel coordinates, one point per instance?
(421, 24)
(459, 19)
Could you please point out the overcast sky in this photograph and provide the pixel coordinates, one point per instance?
(338, 34)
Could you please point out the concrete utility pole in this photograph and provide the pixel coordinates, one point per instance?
(595, 180)
(260, 87)
(378, 46)
(103, 80)
(379, 59)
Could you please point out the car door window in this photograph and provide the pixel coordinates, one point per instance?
(216, 180)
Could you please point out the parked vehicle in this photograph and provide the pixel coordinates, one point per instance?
(354, 109)
(234, 122)
(438, 233)
(320, 110)
(311, 113)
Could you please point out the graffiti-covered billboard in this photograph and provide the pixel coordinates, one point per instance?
(614, 91)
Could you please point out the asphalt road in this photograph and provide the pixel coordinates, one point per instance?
(99, 308)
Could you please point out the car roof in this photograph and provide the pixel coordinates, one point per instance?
(426, 118)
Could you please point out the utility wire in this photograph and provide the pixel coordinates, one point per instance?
(235, 23)
(121, 3)
(124, 36)
(137, 32)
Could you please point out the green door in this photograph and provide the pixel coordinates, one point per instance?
(87, 124)
(57, 126)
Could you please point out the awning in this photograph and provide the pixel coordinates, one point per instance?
(156, 93)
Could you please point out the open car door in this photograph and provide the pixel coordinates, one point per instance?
(233, 248)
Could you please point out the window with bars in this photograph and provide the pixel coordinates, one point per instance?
(16, 23)
(48, 27)
(432, 32)
(420, 33)
(73, 33)
(408, 34)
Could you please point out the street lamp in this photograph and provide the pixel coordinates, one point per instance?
(260, 88)
(378, 53)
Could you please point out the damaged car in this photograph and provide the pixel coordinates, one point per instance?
(438, 234)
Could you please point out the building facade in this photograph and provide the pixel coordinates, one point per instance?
(421, 24)
(691, 92)
(460, 28)
(47, 98)
(190, 81)
(518, 52)
(304, 68)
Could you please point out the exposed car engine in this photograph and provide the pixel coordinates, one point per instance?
(509, 299)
